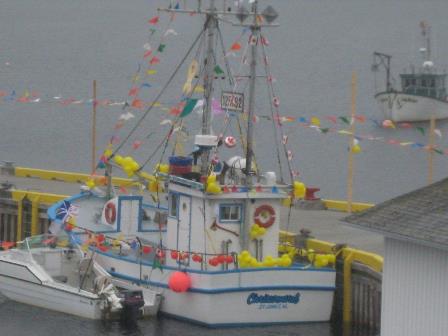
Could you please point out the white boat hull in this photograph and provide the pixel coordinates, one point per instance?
(240, 297)
(49, 298)
(23, 284)
(400, 107)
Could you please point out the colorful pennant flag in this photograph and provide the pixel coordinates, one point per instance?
(188, 108)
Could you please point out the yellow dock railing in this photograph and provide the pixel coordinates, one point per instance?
(55, 175)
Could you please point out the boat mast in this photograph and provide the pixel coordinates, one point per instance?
(255, 29)
(212, 24)
(426, 33)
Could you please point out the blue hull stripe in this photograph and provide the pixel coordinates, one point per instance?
(226, 290)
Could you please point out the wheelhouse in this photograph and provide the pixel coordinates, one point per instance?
(428, 85)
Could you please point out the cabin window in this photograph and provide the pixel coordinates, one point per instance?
(173, 204)
(407, 82)
(432, 83)
(414, 82)
(230, 213)
(423, 82)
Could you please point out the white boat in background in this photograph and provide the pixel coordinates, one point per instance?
(48, 271)
(423, 92)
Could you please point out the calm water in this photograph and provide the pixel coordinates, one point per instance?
(57, 47)
(17, 319)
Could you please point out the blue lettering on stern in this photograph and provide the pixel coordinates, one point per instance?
(268, 301)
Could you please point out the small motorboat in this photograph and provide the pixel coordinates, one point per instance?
(49, 271)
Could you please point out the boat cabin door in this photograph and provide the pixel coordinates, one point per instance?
(184, 226)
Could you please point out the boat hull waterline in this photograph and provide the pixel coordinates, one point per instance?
(401, 107)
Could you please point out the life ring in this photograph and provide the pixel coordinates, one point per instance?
(110, 213)
(230, 141)
(264, 215)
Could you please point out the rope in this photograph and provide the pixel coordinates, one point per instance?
(161, 92)
(277, 112)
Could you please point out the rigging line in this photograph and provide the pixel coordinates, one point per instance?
(161, 40)
(161, 91)
(229, 70)
(235, 82)
(275, 129)
(167, 136)
(277, 113)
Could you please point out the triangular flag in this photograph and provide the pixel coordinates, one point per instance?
(137, 103)
(151, 72)
(154, 60)
(126, 116)
(421, 130)
(315, 121)
(405, 125)
(133, 91)
(218, 70)
(216, 107)
(360, 118)
(161, 47)
(191, 103)
(333, 119)
(264, 41)
(156, 264)
(154, 20)
(236, 46)
(170, 32)
(145, 85)
(344, 120)
(147, 53)
(136, 144)
(199, 89)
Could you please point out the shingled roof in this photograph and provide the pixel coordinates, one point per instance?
(420, 216)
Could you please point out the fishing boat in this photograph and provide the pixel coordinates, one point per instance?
(204, 230)
(423, 91)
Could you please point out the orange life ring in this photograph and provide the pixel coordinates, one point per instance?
(110, 213)
(264, 215)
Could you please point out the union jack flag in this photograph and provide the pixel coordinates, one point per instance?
(66, 210)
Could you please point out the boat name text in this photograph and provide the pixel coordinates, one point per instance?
(255, 298)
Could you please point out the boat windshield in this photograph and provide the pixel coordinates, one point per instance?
(428, 85)
(45, 241)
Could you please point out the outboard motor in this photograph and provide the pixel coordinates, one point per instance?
(132, 302)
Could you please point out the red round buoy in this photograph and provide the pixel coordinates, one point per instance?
(146, 249)
(230, 141)
(213, 261)
(179, 282)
